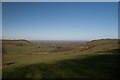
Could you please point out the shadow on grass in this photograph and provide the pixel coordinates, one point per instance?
(95, 66)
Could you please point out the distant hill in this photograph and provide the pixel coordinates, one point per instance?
(92, 46)
(102, 42)
(16, 42)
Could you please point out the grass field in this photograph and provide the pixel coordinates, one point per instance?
(96, 59)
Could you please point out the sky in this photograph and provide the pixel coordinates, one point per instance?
(59, 20)
(60, 0)
(0, 20)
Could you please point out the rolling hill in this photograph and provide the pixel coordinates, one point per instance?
(21, 57)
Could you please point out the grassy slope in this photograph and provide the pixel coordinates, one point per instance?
(80, 64)
(88, 66)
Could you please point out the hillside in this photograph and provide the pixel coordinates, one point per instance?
(16, 42)
(22, 55)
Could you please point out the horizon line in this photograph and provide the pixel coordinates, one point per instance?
(61, 39)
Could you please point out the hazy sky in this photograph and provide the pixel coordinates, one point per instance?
(60, 0)
(60, 21)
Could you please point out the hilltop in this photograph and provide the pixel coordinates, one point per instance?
(64, 46)
(16, 42)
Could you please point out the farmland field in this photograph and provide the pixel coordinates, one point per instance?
(50, 59)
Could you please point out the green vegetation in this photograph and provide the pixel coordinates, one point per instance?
(31, 61)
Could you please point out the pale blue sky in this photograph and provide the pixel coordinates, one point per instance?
(60, 21)
(60, 0)
(1, 20)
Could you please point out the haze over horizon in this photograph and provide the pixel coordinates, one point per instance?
(60, 21)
